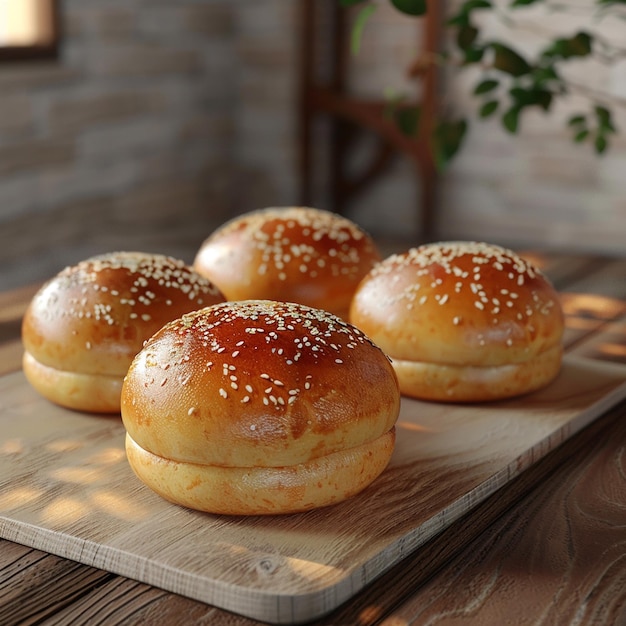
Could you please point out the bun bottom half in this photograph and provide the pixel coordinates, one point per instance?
(94, 393)
(464, 383)
(263, 490)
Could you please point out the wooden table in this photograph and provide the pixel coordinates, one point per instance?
(549, 549)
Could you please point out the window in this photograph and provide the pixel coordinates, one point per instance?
(29, 29)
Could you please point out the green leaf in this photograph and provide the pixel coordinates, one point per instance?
(576, 120)
(466, 36)
(605, 122)
(544, 74)
(472, 5)
(580, 45)
(581, 135)
(408, 120)
(359, 24)
(349, 3)
(486, 86)
(531, 97)
(473, 54)
(461, 19)
(509, 61)
(544, 98)
(523, 3)
(410, 7)
(603, 114)
(521, 96)
(447, 140)
(600, 144)
(510, 120)
(489, 108)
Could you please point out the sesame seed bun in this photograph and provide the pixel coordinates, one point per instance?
(259, 407)
(85, 325)
(462, 321)
(294, 254)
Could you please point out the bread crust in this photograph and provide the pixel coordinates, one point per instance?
(295, 254)
(94, 393)
(296, 488)
(260, 384)
(92, 318)
(468, 383)
(456, 305)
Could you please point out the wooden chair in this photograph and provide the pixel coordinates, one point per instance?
(328, 97)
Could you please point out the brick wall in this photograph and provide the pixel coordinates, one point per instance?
(125, 143)
(266, 115)
(163, 119)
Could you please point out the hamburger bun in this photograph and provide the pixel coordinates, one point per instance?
(85, 325)
(462, 321)
(259, 407)
(295, 254)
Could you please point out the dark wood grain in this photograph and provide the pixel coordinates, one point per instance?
(557, 557)
(438, 583)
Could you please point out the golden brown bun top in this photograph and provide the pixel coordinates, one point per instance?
(258, 384)
(295, 254)
(93, 317)
(461, 303)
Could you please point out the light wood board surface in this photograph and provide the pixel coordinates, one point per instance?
(66, 488)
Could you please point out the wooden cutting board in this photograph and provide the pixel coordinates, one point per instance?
(66, 488)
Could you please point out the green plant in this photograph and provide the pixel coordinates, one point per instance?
(509, 81)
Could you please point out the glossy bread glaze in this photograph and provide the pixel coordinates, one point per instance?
(462, 308)
(263, 384)
(92, 318)
(296, 254)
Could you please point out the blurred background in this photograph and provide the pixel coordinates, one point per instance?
(150, 122)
